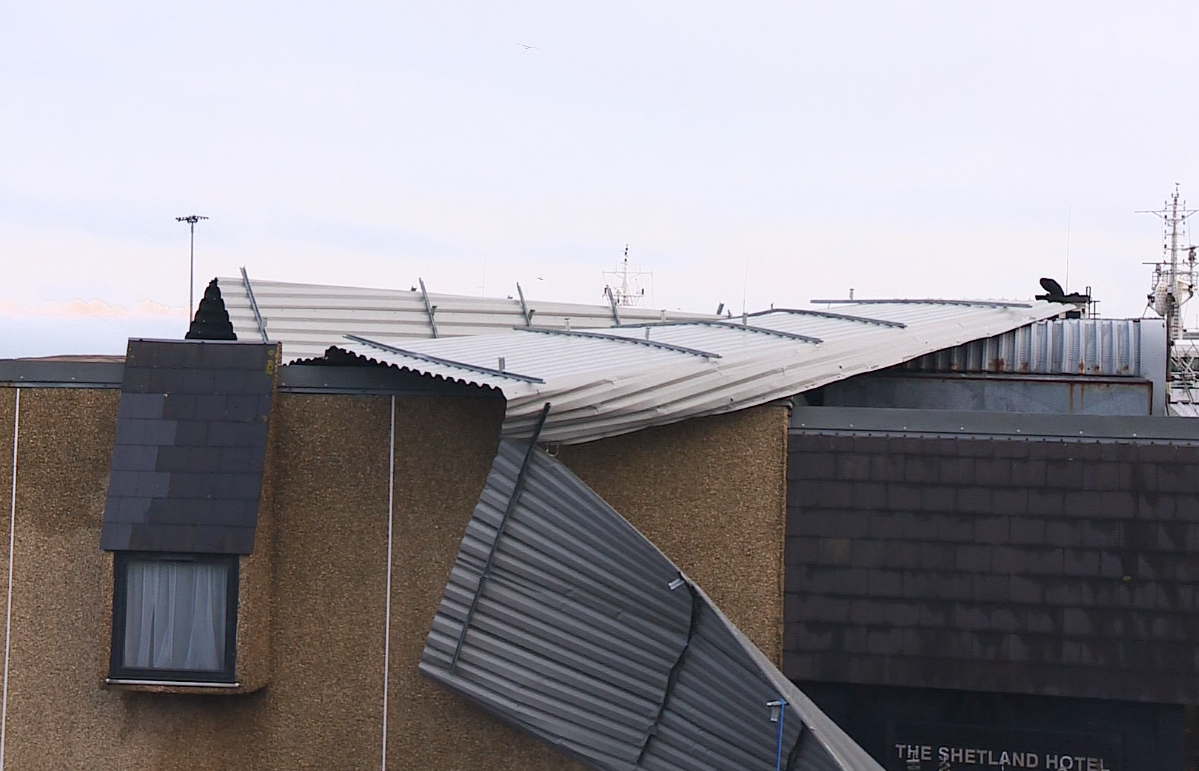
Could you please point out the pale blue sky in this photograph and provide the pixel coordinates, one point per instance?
(771, 151)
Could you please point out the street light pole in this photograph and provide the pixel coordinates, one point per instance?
(191, 220)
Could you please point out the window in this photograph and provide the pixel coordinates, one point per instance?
(174, 617)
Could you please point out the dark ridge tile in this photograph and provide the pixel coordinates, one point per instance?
(1156, 453)
(141, 406)
(977, 448)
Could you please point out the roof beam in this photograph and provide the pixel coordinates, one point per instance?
(621, 339)
(830, 315)
(977, 303)
(730, 325)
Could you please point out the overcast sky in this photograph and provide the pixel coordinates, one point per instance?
(748, 153)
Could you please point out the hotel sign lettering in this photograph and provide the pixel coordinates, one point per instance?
(950, 747)
(946, 758)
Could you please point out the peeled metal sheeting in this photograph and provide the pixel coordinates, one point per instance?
(559, 618)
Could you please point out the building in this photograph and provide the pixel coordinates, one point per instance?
(373, 456)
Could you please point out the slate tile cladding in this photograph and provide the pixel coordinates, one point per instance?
(1014, 565)
(190, 446)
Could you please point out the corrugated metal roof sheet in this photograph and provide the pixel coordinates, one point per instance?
(308, 318)
(601, 387)
(1106, 347)
(562, 619)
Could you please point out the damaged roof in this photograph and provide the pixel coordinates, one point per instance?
(621, 379)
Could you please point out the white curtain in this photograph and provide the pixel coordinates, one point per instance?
(175, 615)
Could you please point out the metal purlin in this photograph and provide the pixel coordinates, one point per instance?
(245, 280)
(621, 339)
(831, 315)
(524, 307)
(429, 308)
(513, 501)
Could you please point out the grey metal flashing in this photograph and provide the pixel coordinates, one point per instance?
(575, 635)
(729, 325)
(42, 373)
(831, 315)
(524, 306)
(430, 309)
(931, 301)
(445, 362)
(875, 420)
(621, 339)
(245, 280)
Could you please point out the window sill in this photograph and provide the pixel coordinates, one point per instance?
(168, 683)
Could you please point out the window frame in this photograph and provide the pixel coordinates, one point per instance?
(118, 672)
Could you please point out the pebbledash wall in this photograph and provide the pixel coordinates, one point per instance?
(686, 486)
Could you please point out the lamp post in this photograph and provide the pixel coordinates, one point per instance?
(191, 220)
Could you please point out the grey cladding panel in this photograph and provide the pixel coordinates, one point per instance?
(559, 618)
(190, 447)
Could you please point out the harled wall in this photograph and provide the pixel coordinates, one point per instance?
(709, 492)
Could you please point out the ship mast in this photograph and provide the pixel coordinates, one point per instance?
(628, 292)
(1173, 282)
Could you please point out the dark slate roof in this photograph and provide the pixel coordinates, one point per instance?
(190, 446)
(1014, 564)
(560, 618)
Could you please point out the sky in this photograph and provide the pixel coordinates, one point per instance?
(748, 154)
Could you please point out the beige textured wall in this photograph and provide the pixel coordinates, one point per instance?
(711, 493)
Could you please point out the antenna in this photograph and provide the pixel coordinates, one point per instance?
(1173, 285)
(191, 220)
(629, 292)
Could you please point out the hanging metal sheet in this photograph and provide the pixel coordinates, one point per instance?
(562, 619)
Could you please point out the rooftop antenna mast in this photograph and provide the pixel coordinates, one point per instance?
(1173, 279)
(629, 292)
(191, 220)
